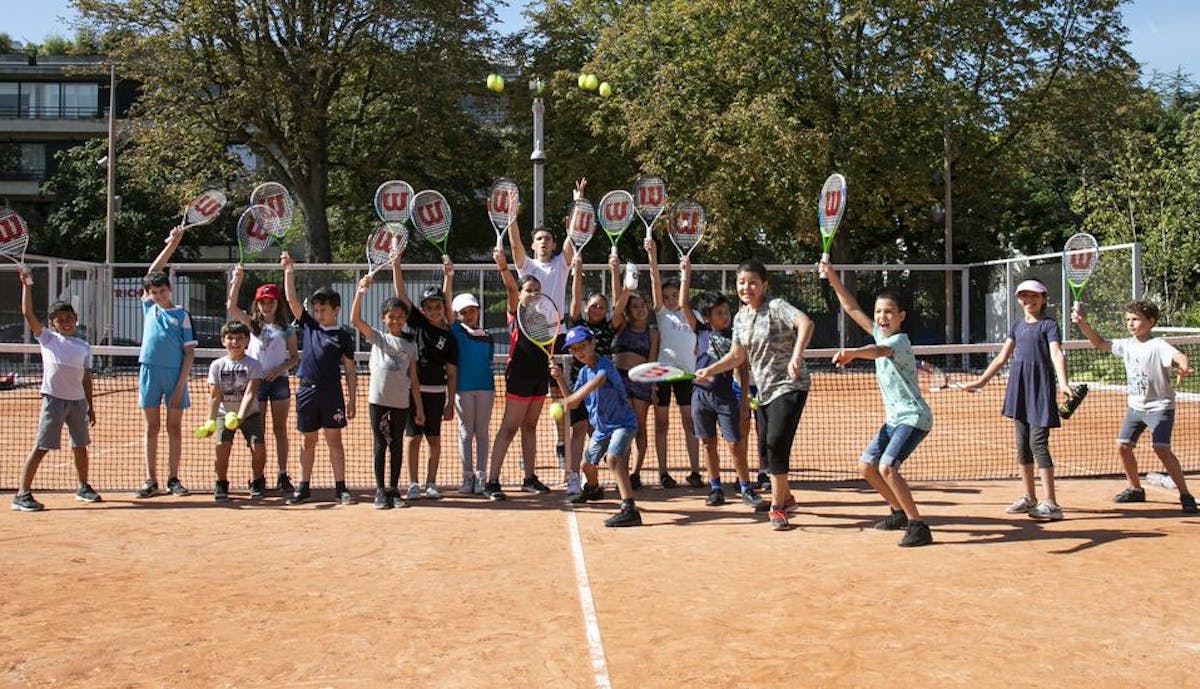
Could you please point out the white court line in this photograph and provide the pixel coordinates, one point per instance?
(591, 625)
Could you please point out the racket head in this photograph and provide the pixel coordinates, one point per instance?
(392, 200)
(431, 217)
(657, 372)
(650, 199)
(616, 213)
(384, 244)
(205, 208)
(539, 320)
(685, 225)
(581, 222)
(831, 206)
(14, 235)
(276, 197)
(255, 227)
(503, 203)
(1081, 254)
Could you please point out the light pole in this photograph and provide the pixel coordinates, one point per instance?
(539, 153)
(110, 216)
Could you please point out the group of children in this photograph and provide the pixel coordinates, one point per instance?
(432, 361)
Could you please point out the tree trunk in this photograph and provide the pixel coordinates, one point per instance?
(312, 193)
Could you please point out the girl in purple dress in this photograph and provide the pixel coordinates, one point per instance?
(1035, 346)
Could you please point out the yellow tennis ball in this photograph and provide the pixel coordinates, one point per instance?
(232, 421)
(605, 89)
(556, 411)
(582, 81)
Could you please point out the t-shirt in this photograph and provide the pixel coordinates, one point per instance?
(897, 376)
(607, 406)
(768, 336)
(321, 351)
(232, 378)
(64, 362)
(551, 274)
(269, 346)
(677, 340)
(1147, 372)
(436, 347)
(475, 354)
(711, 346)
(165, 332)
(391, 356)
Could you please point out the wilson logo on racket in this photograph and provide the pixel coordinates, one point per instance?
(582, 220)
(256, 229)
(11, 227)
(688, 222)
(383, 241)
(616, 211)
(208, 204)
(431, 213)
(501, 201)
(833, 203)
(651, 195)
(393, 201)
(1080, 260)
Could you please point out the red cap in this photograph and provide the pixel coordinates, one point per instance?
(267, 292)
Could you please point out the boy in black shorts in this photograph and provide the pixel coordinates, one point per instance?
(233, 382)
(325, 347)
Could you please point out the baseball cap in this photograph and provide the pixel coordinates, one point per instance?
(579, 333)
(267, 291)
(432, 293)
(463, 301)
(1030, 286)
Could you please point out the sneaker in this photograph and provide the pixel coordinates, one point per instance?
(258, 487)
(432, 492)
(791, 505)
(531, 484)
(752, 498)
(763, 481)
(779, 520)
(414, 492)
(25, 503)
(635, 480)
(666, 481)
(589, 493)
(1021, 504)
(628, 516)
(1046, 510)
(1188, 503)
(395, 499)
(176, 487)
(343, 496)
(1131, 494)
(383, 499)
(573, 486)
(480, 480)
(493, 492)
(283, 484)
(467, 487)
(916, 534)
(148, 490)
(221, 491)
(693, 479)
(301, 495)
(86, 494)
(893, 522)
(716, 497)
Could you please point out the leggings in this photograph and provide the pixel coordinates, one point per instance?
(387, 428)
(1033, 442)
(474, 410)
(777, 423)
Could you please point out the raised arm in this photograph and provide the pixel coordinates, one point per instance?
(231, 303)
(1092, 336)
(685, 285)
(614, 275)
(576, 288)
(398, 284)
(356, 308)
(35, 326)
(510, 283)
(173, 240)
(448, 291)
(847, 300)
(289, 285)
(514, 240)
(655, 277)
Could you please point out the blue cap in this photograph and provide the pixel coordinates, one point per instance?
(579, 333)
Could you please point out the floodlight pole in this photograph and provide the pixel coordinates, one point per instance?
(110, 215)
(539, 154)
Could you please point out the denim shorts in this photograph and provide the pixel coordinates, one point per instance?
(710, 411)
(892, 445)
(615, 443)
(274, 390)
(1161, 424)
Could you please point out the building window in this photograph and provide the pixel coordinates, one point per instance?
(10, 99)
(44, 99)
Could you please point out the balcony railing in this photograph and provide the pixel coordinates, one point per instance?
(23, 174)
(51, 112)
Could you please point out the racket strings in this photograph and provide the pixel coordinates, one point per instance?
(538, 319)
(503, 203)
(687, 225)
(616, 212)
(1080, 257)
(581, 222)
(392, 200)
(431, 216)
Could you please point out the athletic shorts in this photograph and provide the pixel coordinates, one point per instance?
(892, 445)
(682, 390)
(434, 404)
(251, 429)
(156, 384)
(1161, 424)
(56, 412)
(615, 443)
(637, 391)
(522, 389)
(274, 390)
(319, 407)
(578, 415)
(710, 411)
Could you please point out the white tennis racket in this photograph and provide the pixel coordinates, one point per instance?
(658, 372)
(539, 321)
(581, 222)
(204, 208)
(431, 219)
(939, 381)
(391, 201)
(831, 206)
(685, 226)
(385, 243)
(504, 202)
(255, 227)
(14, 237)
(616, 213)
(1081, 255)
(275, 196)
(650, 200)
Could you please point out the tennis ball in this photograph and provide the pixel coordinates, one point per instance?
(491, 82)
(753, 403)
(499, 88)
(593, 82)
(605, 90)
(556, 411)
(582, 81)
(232, 421)
(205, 429)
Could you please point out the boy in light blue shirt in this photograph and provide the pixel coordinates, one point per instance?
(909, 419)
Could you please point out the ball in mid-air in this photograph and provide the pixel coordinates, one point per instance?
(593, 82)
(582, 80)
(605, 89)
(556, 411)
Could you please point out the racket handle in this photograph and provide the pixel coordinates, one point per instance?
(824, 259)
(614, 251)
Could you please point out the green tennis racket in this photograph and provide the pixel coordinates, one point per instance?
(431, 218)
(539, 321)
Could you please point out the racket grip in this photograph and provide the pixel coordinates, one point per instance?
(824, 259)
(614, 251)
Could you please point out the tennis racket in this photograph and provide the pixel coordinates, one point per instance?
(658, 372)
(275, 196)
(204, 208)
(1081, 254)
(14, 238)
(616, 213)
(831, 206)
(504, 202)
(539, 321)
(939, 381)
(392, 200)
(581, 222)
(385, 243)
(431, 219)
(255, 227)
(650, 200)
(686, 225)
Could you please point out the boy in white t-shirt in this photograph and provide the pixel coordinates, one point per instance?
(66, 396)
(233, 382)
(1151, 398)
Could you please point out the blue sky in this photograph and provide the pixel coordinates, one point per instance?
(1163, 33)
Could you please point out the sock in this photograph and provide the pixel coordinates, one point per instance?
(627, 504)
(714, 483)
(339, 486)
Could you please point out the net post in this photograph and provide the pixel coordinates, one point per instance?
(1137, 270)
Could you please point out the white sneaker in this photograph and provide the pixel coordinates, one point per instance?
(431, 491)
(414, 492)
(573, 483)
(1021, 504)
(480, 479)
(467, 487)
(1046, 510)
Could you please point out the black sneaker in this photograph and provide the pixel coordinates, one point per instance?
(635, 480)
(492, 492)
(694, 480)
(628, 516)
(589, 493)
(893, 522)
(148, 490)
(343, 496)
(763, 481)
(221, 491)
(1131, 494)
(25, 503)
(302, 495)
(666, 481)
(752, 498)
(716, 497)
(917, 533)
(383, 499)
(176, 487)
(396, 499)
(1188, 503)
(283, 484)
(258, 487)
(531, 484)
(86, 494)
